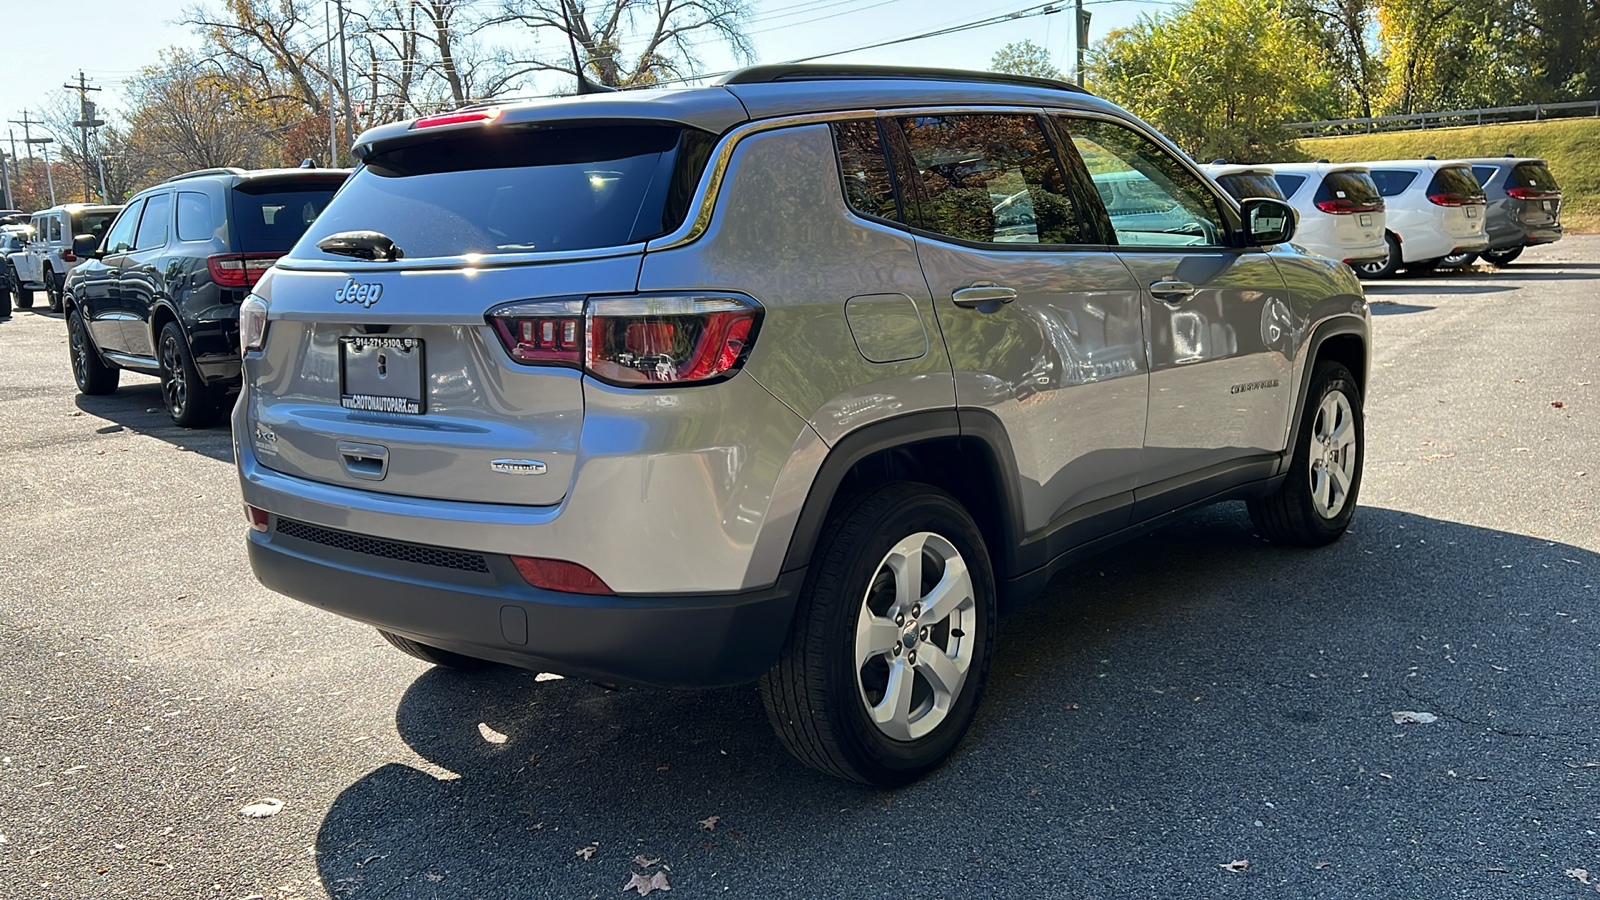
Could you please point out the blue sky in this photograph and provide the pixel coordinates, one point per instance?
(109, 43)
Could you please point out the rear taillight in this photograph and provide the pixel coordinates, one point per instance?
(636, 341)
(1347, 207)
(1532, 194)
(68, 256)
(252, 323)
(559, 575)
(1455, 200)
(238, 270)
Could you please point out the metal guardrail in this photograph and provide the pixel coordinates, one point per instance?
(1451, 119)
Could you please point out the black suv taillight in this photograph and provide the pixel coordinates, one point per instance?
(634, 341)
(238, 270)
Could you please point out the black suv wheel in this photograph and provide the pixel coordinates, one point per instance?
(191, 402)
(88, 369)
(882, 671)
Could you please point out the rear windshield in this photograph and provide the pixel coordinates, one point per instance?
(1356, 188)
(1534, 177)
(522, 191)
(1455, 181)
(94, 223)
(1392, 182)
(1250, 184)
(274, 219)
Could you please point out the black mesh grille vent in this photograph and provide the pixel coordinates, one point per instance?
(411, 553)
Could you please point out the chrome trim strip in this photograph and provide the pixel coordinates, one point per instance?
(467, 261)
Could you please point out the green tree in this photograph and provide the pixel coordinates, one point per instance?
(1220, 77)
(1024, 58)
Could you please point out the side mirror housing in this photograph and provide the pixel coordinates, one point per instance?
(86, 245)
(1267, 221)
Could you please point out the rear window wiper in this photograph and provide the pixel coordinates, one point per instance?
(373, 245)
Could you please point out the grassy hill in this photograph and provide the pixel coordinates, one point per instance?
(1571, 145)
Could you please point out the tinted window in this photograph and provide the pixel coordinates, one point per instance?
(868, 187)
(195, 222)
(1250, 184)
(1289, 183)
(1153, 199)
(1484, 173)
(272, 220)
(121, 237)
(94, 223)
(1392, 182)
(1534, 177)
(521, 191)
(153, 225)
(991, 179)
(55, 229)
(1349, 192)
(1455, 181)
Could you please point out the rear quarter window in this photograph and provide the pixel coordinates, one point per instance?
(1288, 182)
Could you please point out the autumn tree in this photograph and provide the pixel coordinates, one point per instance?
(191, 113)
(1024, 58)
(625, 43)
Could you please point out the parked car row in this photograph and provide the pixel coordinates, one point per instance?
(1381, 217)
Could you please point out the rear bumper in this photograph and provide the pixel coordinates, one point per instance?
(477, 604)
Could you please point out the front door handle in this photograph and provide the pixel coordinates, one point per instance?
(1172, 291)
(983, 297)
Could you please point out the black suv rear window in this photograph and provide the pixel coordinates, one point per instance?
(1392, 182)
(521, 191)
(270, 220)
(1455, 181)
(1352, 190)
(1534, 177)
(1250, 184)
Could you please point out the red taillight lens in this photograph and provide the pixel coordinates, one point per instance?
(260, 519)
(1532, 194)
(236, 270)
(634, 341)
(559, 575)
(1346, 207)
(68, 256)
(457, 118)
(1455, 200)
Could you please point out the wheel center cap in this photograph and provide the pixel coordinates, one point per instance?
(909, 639)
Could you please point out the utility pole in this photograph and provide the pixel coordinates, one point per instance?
(49, 178)
(86, 121)
(1081, 34)
(333, 134)
(5, 179)
(344, 64)
(27, 135)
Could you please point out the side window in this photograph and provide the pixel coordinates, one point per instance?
(1153, 200)
(1393, 182)
(120, 239)
(55, 228)
(1288, 182)
(992, 179)
(194, 217)
(153, 225)
(868, 187)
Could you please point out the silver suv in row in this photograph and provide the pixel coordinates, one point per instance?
(788, 379)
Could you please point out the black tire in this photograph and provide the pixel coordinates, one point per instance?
(5, 298)
(1293, 514)
(1502, 257)
(434, 655)
(817, 696)
(1458, 260)
(1423, 266)
(24, 296)
(190, 402)
(88, 369)
(1386, 267)
(52, 292)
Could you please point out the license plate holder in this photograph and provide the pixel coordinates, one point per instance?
(378, 373)
(1366, 220)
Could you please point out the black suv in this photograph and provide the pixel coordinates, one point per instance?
(161, 294)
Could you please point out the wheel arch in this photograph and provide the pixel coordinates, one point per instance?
(1342, 339)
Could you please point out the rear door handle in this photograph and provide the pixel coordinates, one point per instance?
(1172, 291)
(983, 298)
(369, 462)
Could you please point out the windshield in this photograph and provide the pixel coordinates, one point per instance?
(1250, 184)
(521, 191)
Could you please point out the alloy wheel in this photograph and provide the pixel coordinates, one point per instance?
(79, 346)
(915, 636)
(1333, 455)
(174, 380)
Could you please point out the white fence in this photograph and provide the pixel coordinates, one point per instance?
(1452, 119)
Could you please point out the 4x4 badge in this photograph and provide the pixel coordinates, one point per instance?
(355, 292)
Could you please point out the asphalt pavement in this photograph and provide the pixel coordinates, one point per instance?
(1196, 714)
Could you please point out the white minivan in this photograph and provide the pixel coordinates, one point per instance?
(1342, 215)
(1436, 208)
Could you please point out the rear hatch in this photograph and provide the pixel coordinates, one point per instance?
(1350, 198)
(1461, 199)
(268, 213)
(1535, 196)
(389, 376)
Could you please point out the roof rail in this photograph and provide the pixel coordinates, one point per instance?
(220, 170)
(847, 72)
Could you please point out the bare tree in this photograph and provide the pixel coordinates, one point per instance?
(190, 114)
(627, 43)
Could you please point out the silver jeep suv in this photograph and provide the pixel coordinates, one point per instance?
(789, 379)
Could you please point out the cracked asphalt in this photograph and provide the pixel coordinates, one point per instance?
(1188, 702)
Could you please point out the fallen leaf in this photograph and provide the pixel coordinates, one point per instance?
(710, 824)
(1557, 404)
(263, 808)
(645, 862)
(1581, 874)
(637, 882)
(1407, 717)
(587, 852)
(1322, 865)
(373, 858)
(1238, 865)
(434, 877)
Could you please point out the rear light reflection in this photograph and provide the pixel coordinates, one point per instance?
(260, 519)
(559, 575)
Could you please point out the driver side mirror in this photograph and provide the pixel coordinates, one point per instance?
(86, 246)
(1268, 221)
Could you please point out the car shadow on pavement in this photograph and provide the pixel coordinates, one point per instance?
(139, 409)
(1391, 308)
(1403, 289)
(1193, 697)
